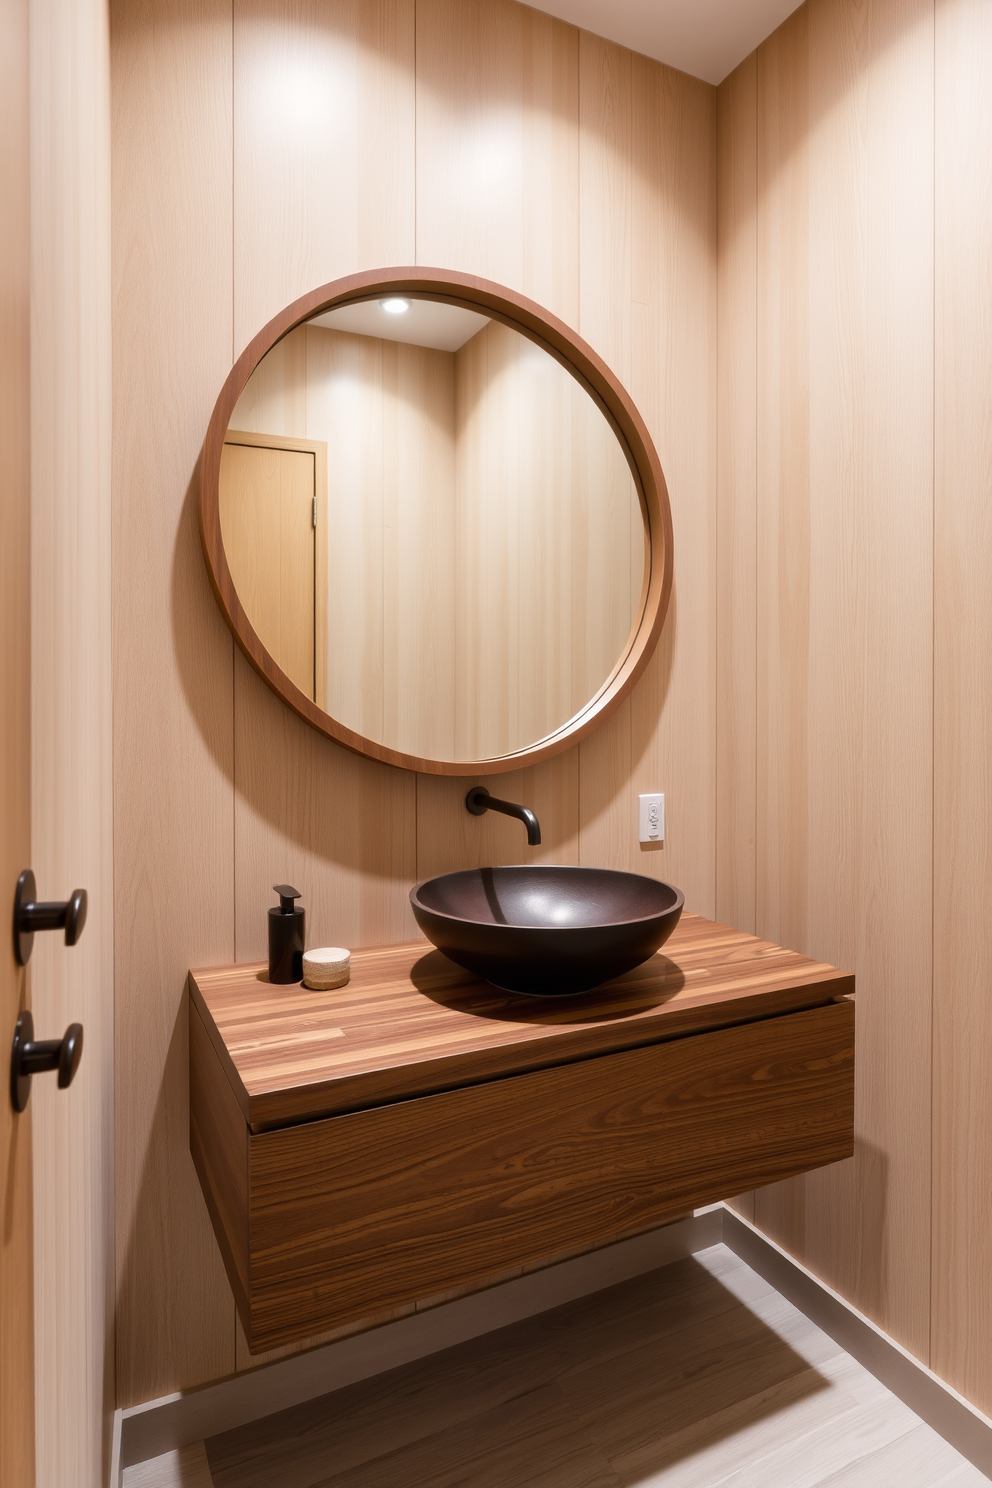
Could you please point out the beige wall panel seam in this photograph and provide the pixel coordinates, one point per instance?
(961, 1263)
(844, 853)
(173, 758)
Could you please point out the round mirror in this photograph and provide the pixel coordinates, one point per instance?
(435, 522)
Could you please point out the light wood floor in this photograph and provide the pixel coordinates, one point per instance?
(695, 1376)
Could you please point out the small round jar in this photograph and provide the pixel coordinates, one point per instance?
(326, 967)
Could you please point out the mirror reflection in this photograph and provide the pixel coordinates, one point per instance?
(432, 527)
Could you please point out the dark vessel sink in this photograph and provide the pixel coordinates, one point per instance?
(545, 930)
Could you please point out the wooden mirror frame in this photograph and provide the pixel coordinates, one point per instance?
(548, 332)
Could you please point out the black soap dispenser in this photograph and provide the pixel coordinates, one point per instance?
(286, 932)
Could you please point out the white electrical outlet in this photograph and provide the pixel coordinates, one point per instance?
(651, 818)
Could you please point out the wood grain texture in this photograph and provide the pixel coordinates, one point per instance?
(469, 159)
(673, 379)
(17, 1454)
(324, 185)
(606, 795)
(218, 1144)
(173, 705)
(497, 147)
(186, 1467)
(962, 1130)
(410, 1022)
(501, 165)
(782, 454)
(697, 1374)
(845, 230)
(497, 194)
(737, 496)
(648, 304)
(367, 1211)
(71, 727)
(551, 547)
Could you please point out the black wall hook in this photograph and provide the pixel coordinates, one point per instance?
(28, 1058)
(29, 916)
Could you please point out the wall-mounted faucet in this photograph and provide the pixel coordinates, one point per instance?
(479, 801)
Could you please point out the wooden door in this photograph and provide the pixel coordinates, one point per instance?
(16, 1272)
(268, 514)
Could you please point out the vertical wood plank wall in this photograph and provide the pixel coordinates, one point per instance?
(817, 234)
(842, 176)
(855, 242)
(844, 459)
(173, 667)
(962, 1031)
(255, 157)
(17, 1462)
(71, 795)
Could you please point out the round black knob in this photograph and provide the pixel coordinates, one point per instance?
(31, 915)
(30, 1057)
(70, 1053)
(75, 916)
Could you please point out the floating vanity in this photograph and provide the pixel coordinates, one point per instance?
(418, 1131)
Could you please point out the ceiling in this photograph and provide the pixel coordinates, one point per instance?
(706, 38)
(425, 323)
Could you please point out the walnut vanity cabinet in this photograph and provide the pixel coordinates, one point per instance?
(418, 1132)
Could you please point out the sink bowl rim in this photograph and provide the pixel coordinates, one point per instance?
(579, 868)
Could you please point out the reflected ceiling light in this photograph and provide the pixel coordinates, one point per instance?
(395, 307)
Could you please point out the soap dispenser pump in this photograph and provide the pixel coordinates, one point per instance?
(286, 932)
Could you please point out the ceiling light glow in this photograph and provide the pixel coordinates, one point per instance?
(395, 307)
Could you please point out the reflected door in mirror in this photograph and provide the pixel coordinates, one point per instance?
(273, 514)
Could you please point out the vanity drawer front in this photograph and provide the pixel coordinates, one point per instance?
(355, 1215)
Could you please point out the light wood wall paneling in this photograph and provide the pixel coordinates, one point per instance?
(648, 305)
(72, 785)
(782, 461)
(335, 825)
(672, 350)
(736, 556)
(962, 1097)
(323, 146)
(736, 591)
(450, 837)
(324, 171)
(781, 454)
(497, 147)
(845, 591)
(386, 411)
(497, 195)
(418, 547)
(548, 551)
(173, 705)
(605, 190)
(497, 171)
(16, 1310)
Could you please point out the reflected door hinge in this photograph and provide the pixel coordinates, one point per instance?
(314, 512)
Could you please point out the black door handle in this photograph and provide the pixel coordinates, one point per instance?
(30, 916)
(29, 1058)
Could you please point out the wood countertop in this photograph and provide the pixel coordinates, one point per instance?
(411, 1023)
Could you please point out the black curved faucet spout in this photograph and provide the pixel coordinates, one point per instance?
(479, 801)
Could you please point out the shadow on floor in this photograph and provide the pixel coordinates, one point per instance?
(603, 1391)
